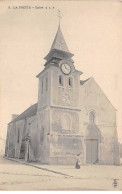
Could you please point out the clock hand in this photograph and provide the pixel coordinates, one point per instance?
(68, 68)
(65, 66)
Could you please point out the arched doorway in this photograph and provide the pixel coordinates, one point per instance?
(93, 138)
(91, 151)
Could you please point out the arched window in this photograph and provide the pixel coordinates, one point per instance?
(92, 117)
(65, 122)
(70, 82)
(60, 80)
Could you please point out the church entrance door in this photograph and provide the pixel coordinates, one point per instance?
(91, 151)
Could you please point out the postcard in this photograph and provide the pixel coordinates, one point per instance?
(61, 95)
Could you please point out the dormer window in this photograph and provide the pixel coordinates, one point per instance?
(70, 82)
(60, 80)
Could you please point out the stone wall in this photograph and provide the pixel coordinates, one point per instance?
(43, 131)
(64, 148)
(63, 95)
(92, 98)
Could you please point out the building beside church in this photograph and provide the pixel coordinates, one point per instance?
(2, 146)
(72, 116)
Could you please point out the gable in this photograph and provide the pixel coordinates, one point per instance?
(92, 98)
(90, 88)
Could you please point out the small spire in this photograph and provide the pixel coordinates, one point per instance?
(59, 48)
(59, 16)
(59, 42)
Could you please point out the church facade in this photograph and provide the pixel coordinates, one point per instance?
(72, 117)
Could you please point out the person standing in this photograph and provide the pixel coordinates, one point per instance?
(78, 162)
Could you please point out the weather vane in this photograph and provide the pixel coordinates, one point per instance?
(59, 16)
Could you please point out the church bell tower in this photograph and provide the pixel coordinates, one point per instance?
(58, 105)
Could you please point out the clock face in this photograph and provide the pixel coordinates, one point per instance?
(66, 98)
(66, 69)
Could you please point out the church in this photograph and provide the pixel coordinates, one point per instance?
(71, 117)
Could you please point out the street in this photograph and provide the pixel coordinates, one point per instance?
(17, 176)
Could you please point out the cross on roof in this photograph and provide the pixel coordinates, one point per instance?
(59, 16)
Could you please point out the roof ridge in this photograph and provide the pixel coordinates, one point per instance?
(30, 111)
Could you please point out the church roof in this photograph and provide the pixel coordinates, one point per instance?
(59, 42)
(83, 81)
(59, 48)
(31, 111)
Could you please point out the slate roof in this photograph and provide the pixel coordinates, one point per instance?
(59, 42)
(59, 48)
(31, 111)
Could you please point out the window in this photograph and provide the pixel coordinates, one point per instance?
(70, 81)
(18, 135)
(42, 135)
(42, 87)
(92, 117)
(60, 80)
(46, 83)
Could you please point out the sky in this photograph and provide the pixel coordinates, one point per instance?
(93, 33)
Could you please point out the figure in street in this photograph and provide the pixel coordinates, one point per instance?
(78, 162)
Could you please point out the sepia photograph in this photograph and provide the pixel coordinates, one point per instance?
(60, 95)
